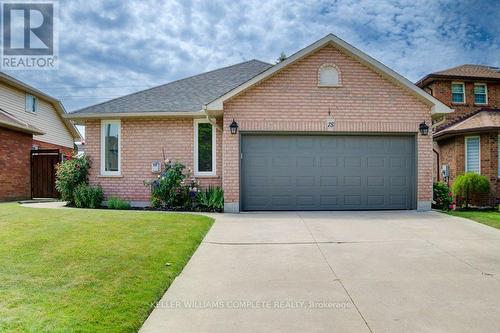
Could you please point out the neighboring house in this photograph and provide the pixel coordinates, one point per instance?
(467, 139)
(329, 128)
(29, 119)
(80, 148)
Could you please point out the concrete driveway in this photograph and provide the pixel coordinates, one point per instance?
(337, 272)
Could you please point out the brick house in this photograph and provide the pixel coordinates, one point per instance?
(29, 119)
(467, 139)
(329, 128)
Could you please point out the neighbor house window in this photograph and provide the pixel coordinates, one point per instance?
(480, 93)
(110, 147)
(204, 148)
(329, 76)
(31, 103)
(472, 154)
(458, 92)
(498, 153)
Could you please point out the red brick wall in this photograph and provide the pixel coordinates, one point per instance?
(44, 145)
(289, 101)
(442, 91)
(142, 142)
(452, 152)
(14, 165)
(292, 101)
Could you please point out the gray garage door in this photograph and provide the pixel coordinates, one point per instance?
(330, 172)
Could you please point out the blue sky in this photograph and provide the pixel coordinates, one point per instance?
(113, 47)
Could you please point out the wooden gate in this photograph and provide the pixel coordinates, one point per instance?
(43, 173)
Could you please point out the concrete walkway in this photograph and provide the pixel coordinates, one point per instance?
(48, 204)
(337, 272)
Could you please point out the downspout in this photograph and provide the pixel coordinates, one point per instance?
(204, 110)
(439, 123)
(438, 176)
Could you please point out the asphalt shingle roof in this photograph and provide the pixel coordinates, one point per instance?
(185, 95)
(472, 70)
(8, 120)
(475, 121)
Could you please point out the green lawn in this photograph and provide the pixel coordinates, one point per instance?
(77, 270)
(489, 218)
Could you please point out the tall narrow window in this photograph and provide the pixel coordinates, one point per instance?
(110, 147)
(204, 148)
(31, 103)
(458, 92)
(480, 93)
(472, 154)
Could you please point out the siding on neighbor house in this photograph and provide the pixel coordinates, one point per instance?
(47, 118)
(292, 101)
(15, 182)
(143, 142)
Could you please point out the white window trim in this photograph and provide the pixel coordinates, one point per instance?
(26, 103)
(103, 135)
(485, 91)
(479, 152)
(463, 92)
(214, 150)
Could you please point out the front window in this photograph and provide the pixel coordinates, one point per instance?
(457, 93)
(204, 148)
(480, 93)
(31, 103)
(472, 154)
(110, 147)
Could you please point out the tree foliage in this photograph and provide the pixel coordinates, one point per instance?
(470, 186)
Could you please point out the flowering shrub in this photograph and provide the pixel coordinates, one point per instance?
(70, 174)
(174, 188)
(442, 196)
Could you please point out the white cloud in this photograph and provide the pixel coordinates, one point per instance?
(124, 46)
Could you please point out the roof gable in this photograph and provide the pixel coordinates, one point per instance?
(479, 120)
(437, 106)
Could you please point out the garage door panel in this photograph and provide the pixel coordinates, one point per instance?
(281, 181)
(281, 161)
(352, 162)
(327, 161)
(328, 181)
(281, 200)
(375, 162)
(375, 200)
(327, 172)
(305, 161)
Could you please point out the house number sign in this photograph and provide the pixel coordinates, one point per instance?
(330, 123)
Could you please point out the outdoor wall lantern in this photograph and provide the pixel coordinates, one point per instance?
(234, 127)
(424, 128)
